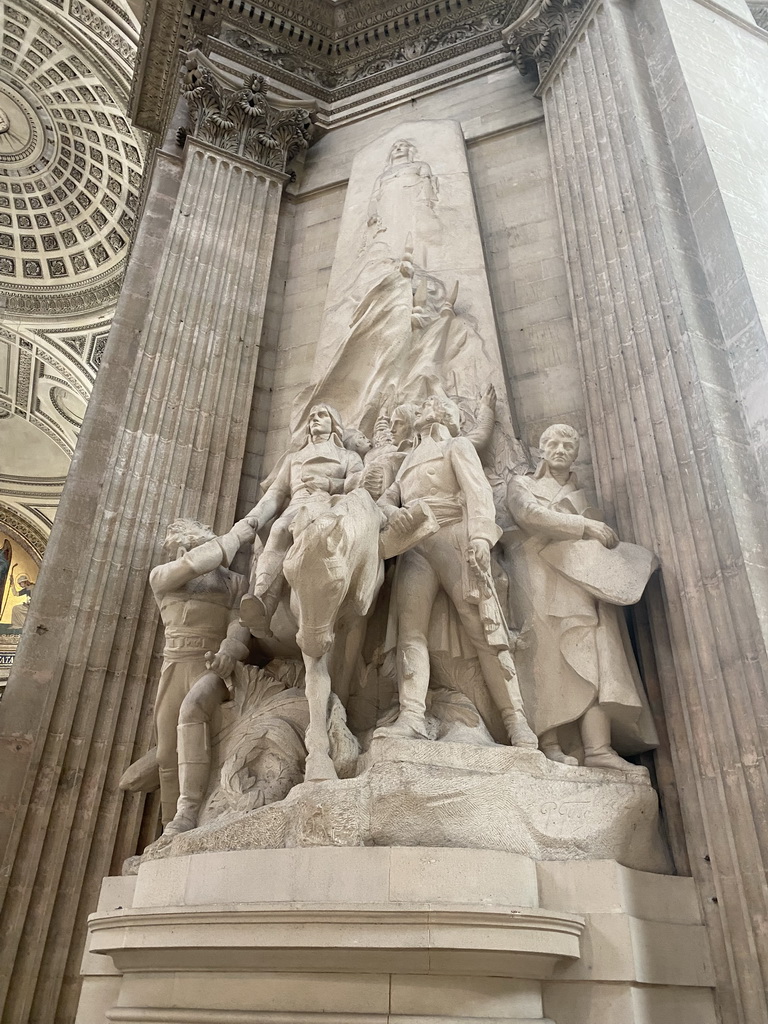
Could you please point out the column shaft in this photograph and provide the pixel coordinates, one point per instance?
(175, 442)
(668, 469)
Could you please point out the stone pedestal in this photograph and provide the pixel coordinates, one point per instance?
(396, 936)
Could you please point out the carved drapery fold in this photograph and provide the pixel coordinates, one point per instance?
(243, 121)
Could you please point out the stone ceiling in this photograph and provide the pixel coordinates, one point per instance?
(70, 186)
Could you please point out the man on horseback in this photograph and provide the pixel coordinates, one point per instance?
(307, 480)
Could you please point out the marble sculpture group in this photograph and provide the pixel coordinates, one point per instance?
(403, 583)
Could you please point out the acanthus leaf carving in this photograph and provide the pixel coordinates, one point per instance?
(243, 121)
(535, 36)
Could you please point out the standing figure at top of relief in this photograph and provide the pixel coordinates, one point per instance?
(308, 478)
(404, 191)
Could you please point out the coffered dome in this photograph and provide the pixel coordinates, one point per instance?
(70, 174)
(70, 184)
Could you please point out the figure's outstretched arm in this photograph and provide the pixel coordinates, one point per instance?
(201, 560)
(481, 433)
(234, 647)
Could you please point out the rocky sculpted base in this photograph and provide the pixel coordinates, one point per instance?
(419, 793)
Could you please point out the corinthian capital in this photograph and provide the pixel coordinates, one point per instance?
(239, 118)
(535, 35)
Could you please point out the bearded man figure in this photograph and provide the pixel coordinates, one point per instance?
(444, 472)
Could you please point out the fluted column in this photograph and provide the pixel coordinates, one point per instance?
(673, 457)
(164, 437)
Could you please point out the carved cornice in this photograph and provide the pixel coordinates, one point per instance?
(344, 73)
(535, 36)
(322, 49)
(242, 120)
(163, 32)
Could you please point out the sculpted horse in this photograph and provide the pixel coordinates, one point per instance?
(334, 570)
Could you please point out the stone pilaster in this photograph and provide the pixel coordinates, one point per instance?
(164, 436)
(673, 454)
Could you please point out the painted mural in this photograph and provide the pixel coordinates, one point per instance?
(18, 574)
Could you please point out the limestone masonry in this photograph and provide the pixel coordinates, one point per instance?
(399, 650)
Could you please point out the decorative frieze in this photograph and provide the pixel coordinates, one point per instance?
(243, 121)
(342, 73)
(332, 51)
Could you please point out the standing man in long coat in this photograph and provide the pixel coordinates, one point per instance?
(444, 472)
(577, 670)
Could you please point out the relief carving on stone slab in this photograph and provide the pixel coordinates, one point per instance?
(570, 574)
(404, 559)
(408, 308)
(405, 191)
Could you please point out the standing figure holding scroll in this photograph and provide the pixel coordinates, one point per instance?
(568, 573)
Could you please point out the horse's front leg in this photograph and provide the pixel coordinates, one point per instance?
(319, 767)
(345, 655)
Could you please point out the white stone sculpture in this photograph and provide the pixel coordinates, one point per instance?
(405, 192)
(258, 751)
(568, 573)
(408, 308)
(306, 480)
(326, 543)
(393, 438)
(444, 472)
(335, 571)
(199, 598)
